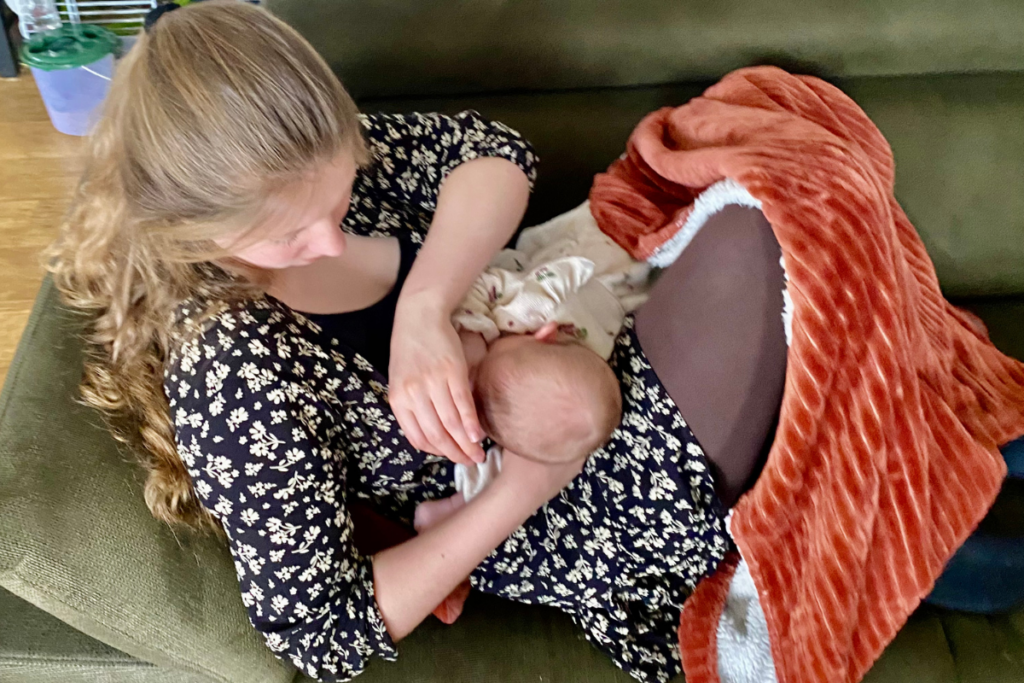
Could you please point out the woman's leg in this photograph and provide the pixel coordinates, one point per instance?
(713, 332)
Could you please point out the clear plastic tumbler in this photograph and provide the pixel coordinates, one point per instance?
(72, 67)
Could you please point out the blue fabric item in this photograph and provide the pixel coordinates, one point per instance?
(1014, 454)
(986, 576)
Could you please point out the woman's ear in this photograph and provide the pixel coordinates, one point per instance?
(548, 333)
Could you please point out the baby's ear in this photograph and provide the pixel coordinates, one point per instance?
(548, 333)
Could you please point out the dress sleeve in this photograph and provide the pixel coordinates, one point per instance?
(414, 153)
(262, 448)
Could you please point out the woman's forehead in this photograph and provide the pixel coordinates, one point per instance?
(310, 198)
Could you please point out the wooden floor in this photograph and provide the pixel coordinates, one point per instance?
(38, 169)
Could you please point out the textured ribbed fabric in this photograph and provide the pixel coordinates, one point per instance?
(886, 454)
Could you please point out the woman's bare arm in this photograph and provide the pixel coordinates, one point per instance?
(479, 207)
(412, 578)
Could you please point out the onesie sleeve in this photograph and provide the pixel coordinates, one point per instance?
(476, 312)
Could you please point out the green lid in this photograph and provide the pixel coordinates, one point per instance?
(68, 47)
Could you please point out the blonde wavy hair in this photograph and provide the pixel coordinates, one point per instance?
(217, 108)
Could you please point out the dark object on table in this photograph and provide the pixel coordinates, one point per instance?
(156, 13)
(8, 61)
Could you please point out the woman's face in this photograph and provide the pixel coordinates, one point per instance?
(307, 220)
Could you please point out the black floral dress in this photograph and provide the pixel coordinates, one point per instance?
(281, 426)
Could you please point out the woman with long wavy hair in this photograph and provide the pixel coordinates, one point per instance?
(259, 260)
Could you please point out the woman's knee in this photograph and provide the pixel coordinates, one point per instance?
(713, 332)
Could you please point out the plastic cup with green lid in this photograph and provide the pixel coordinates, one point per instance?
(72, 66)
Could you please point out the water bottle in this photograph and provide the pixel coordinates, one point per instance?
(36, 16)
(72, 67)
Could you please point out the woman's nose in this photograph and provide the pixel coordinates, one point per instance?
(327, 240)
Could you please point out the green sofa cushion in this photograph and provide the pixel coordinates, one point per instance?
(402, 49)
(920, 654)
(77, 540)
(36, 647)
(959, 147)
(985, 649)
(495, 637)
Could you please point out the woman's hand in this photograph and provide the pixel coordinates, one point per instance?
(479, 206)
(429, 382)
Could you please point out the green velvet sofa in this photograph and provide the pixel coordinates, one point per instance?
(92, 589)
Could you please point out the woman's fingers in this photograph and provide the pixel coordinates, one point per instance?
(452, 420)
(462, 395)
(407, 421)
(437, 435)
(430, 391)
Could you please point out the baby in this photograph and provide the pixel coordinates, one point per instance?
(537, 329)
(545, 399)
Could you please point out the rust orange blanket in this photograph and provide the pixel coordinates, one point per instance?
(886, 455)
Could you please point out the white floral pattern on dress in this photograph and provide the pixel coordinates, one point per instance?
(280, 427)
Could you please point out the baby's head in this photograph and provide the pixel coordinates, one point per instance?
(547, 401)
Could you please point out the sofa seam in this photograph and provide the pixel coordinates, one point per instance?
(701, 82)
(197, 668)
(133, 663)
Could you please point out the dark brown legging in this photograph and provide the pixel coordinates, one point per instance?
(713, 333)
